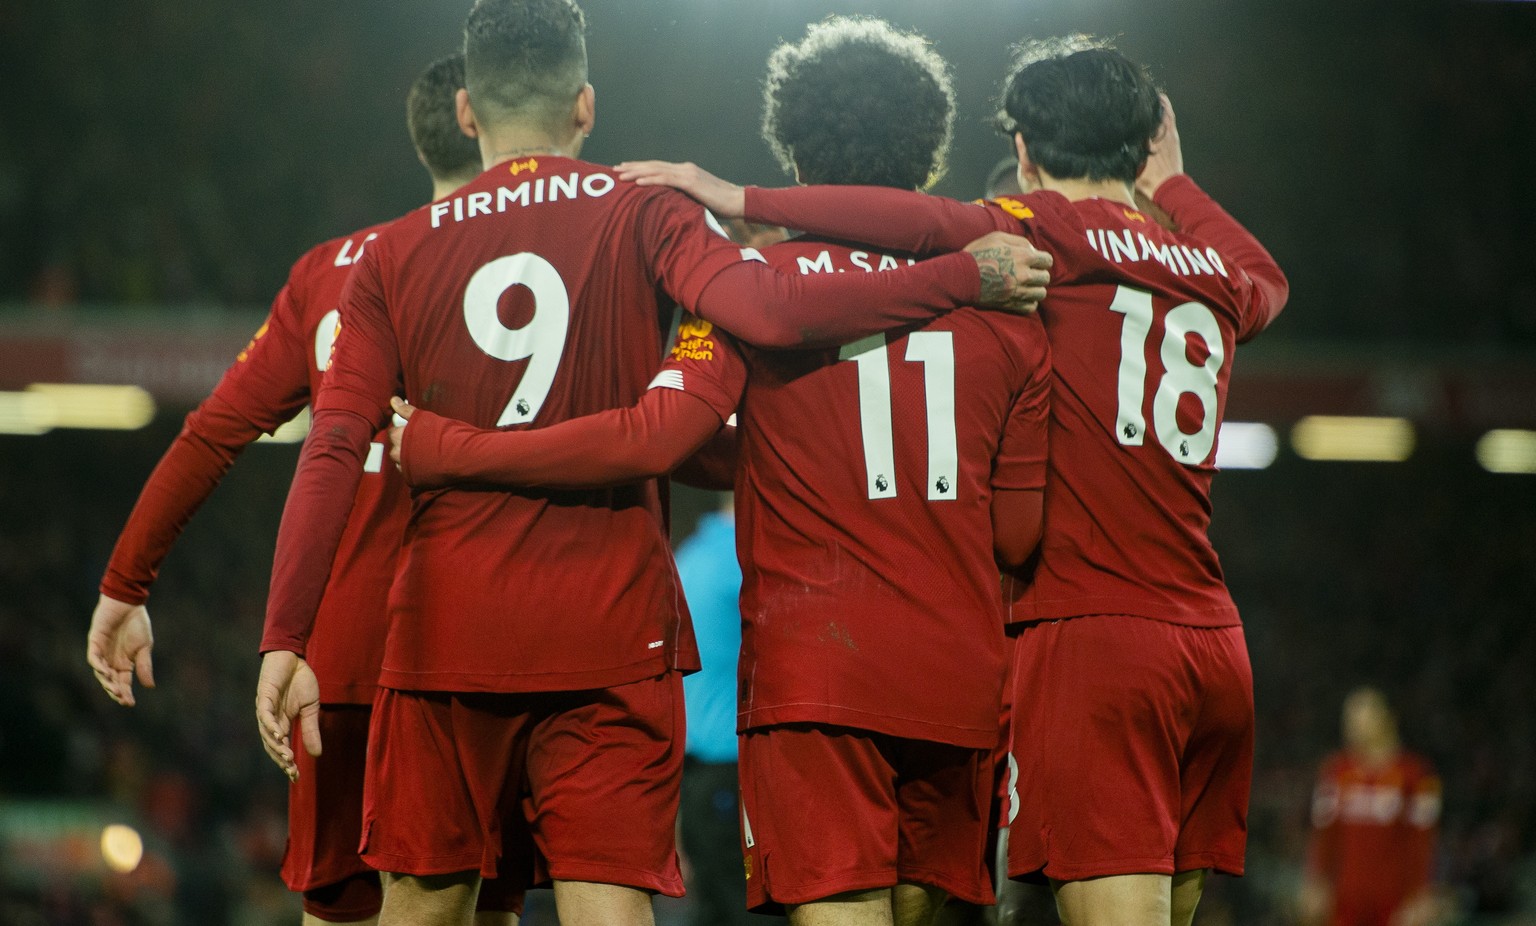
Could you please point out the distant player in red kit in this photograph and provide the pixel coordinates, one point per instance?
(1375, 818)
(276, 375)
(878, 485)
(526, 626)
(1132, 701)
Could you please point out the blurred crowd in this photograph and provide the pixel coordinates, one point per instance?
(1381, 149)
(1412, 577)
(180, 767)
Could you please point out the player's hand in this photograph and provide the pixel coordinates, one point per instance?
(1166, 159)
(287, 695)
(1014, 274)
(118, 646)
(725, 199)
(403, 410)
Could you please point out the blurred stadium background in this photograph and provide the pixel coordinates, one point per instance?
(161, 165)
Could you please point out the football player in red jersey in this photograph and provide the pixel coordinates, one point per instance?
(877, 485)
(1133, 706)
(1375, 816)
(272, 379)
(526, 626)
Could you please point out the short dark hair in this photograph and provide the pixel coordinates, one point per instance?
(857, 102)
(525, 60)
(1083, 109)
(431, 115)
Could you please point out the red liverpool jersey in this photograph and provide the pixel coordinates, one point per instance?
(1373, 837)
(863, 504)
(1143, 323)
(535, 294)
(272, 379)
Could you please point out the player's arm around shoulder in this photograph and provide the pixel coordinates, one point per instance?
(688, 402)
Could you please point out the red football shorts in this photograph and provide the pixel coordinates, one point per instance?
(325, 825)
(325, 821)
(568, 786)
(828, 809)
(1134, 742)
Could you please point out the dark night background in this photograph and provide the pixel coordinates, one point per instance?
(188, 151)
(169, 161)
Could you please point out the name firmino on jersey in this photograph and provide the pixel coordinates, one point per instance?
(1125, 245)
(528, 193)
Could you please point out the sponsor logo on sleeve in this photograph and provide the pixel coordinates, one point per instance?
(694, 340)
(261, 332)
(1014, 208)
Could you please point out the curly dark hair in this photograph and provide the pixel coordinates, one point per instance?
(858, 102)
(525, 60)
(1084, 109)
(431, 117)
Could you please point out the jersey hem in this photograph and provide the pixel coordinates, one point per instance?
(980, 737)
(518, 682)
(1065, 608)
(348, 693)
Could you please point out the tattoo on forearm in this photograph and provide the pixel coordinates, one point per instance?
(998, 275)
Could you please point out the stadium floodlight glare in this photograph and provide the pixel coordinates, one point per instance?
(1246, 445)
(1507, 450)
(293, 432)
(110, 408)
(25, 413)
(122, 848)
(1360, 440)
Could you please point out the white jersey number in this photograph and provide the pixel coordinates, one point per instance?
(1182, 377)
(541, 342)
(325, 340)
(935, 350)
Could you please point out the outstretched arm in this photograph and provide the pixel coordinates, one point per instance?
(880, 216)
(686, 404)
(773, 309)
(722, 283)
(649, 439)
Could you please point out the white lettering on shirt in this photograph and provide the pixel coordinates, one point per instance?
(532, 192)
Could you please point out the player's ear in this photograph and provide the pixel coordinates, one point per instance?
(465, 114)
(586, 110)
(1029, 174)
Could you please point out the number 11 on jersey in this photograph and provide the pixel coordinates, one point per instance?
(935, 350)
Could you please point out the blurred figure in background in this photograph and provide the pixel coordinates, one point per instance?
(1004, 179)
(1375, 816)
(753, 234)
(710, 815)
